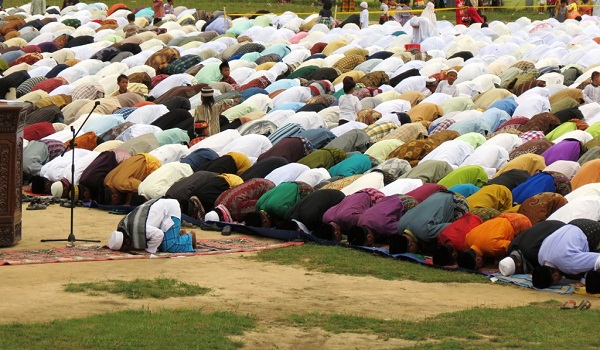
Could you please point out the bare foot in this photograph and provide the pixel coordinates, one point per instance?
(193, 239)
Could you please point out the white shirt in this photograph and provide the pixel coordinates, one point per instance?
(159, 221)
(586, 207)
(507, 141)
(313, 177)
(591, 189)
(393, 106)
(171, 82)
(370, 180)
(279, 117)
(157, 183)
(138, 130)
(454, 152)
(288, 172)
(308, 120)
(591, 93)
(401, 186)
(170, 153)
(217, 142)
(55, 169)
(147, 114)
(295, 94)
(487, 156)
(80, 165)
(364, 18)
(349, 107)
(251, 145)
(566, 167)
(446, 88)
(342, 129)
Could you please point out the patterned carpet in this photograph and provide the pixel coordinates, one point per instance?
(101, 253)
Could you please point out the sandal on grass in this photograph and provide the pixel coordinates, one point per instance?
(569, 305)
(585, 304)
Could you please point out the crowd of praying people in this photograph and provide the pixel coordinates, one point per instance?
(480, 146)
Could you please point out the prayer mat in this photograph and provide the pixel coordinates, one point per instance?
(523, 280)
(102, 253)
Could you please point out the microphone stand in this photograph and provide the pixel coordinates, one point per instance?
(71, 239)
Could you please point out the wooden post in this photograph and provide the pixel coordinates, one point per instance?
(12, 121)
(335, 15)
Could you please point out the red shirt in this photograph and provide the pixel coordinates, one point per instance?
(38, 131)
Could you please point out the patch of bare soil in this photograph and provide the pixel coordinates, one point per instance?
(268, 291)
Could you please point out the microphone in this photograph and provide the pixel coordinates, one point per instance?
(72, 143)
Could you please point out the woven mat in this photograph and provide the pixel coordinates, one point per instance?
(102, 253)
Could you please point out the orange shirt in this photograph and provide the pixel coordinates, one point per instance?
(491, 239)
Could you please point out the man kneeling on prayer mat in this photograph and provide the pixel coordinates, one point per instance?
(491, 239)
(154, 225)
(572, 250)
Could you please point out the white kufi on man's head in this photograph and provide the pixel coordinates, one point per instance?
(507, 266)
(115, 242)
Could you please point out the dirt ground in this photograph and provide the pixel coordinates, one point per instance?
(269, 291)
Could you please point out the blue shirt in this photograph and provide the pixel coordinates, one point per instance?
(101, 125)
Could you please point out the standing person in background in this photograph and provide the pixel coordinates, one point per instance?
(404, 16)
(348, 5)
(364, 15)
(585, 8)
(561, 11)
(206, 121)
(159, 10)
(474, 15)
(384, 8)
(170, 7)
(325, 15)
(38, 7)
(349, 104)
(541, 7)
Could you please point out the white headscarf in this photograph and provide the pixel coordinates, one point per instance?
(429, 13)
(423, 28)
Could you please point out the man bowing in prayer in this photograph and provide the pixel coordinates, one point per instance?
(154, 225)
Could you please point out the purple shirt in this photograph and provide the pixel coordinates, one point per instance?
(567, 249)
(564, 150)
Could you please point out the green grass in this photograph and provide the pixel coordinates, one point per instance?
(158, 288)
(537, 326)
(305, 7)
(352, 262)
(168, 329)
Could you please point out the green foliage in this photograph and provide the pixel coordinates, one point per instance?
(158, 288)
(536, 326)
(352, 262)
(167, 329)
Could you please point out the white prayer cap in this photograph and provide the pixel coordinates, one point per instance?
(57, 189)
(116, 240)
(211, 216)
(364, 5)
(507, 266)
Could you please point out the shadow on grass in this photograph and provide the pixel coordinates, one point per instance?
(536, 326)
(167, 329)
(346, 261)
(158, 288)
